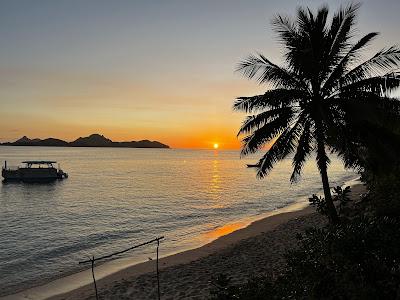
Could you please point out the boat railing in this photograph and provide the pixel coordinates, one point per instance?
(10, 168)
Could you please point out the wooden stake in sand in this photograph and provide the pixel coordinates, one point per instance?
(94, 279)
(158, 274)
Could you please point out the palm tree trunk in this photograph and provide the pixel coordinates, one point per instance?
(322, 161)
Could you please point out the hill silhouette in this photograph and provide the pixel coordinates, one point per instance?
(93, 140)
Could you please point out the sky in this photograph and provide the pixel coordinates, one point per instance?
(132, 70)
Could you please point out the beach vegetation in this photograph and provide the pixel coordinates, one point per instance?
(383, 198)
(340, 195)
(323, 98)
(355, 260)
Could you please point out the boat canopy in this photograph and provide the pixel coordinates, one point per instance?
(39, 162)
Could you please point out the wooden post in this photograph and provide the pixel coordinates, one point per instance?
(92, 260)
(94, 279)
(158, 273)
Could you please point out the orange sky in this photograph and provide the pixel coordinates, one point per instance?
(133, 70)
(197, 115)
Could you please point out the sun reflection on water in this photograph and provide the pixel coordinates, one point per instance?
(215, 185)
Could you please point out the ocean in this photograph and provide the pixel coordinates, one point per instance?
(115, 198)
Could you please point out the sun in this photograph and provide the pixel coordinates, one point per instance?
(216, 146)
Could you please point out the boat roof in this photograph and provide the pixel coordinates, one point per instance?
(39, 162)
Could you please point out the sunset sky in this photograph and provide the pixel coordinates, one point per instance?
(134, 70)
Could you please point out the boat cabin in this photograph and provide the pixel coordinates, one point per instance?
(39, 164)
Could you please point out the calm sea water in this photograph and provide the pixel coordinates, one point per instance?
(115, 198)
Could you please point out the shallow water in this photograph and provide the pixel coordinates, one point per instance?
(115, 198)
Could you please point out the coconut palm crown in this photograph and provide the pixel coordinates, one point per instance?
(317, 95)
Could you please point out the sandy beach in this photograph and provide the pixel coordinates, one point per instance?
(254, 250)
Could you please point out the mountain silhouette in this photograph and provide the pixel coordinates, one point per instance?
(23, 140)
(93, 140)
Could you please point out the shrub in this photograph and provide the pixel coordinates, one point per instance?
(385, 195)
(359, 260)
(356, 260)
(339, 195)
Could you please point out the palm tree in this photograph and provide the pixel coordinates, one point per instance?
(317, 94)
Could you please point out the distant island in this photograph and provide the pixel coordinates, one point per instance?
(93, 140)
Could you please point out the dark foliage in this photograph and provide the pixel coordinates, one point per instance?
(319, 203)
(384, 195)
(358, 260)
(340, 195)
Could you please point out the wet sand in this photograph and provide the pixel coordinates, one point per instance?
(253, 250)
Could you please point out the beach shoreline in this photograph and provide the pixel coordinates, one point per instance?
(79, 285)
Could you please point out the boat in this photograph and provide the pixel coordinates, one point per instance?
(253, 165)
(33, 171)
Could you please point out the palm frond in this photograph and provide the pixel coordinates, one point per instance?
(370, 106)
(304, 19)
(259, 137)
(264, 71)
(341, 28)
(380, 85)
(347, 147)
(254, 122)
(286, 29)
(320, 134)
(270, 99)
(321, 18)
(386, 60)
(283, 146)
(304, 148)
(341, 67)
(364, 143)
(305, 51)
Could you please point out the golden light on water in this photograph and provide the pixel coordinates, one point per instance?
(216, 146)
(224, 230)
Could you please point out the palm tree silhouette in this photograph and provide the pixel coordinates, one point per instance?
(310, 104)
